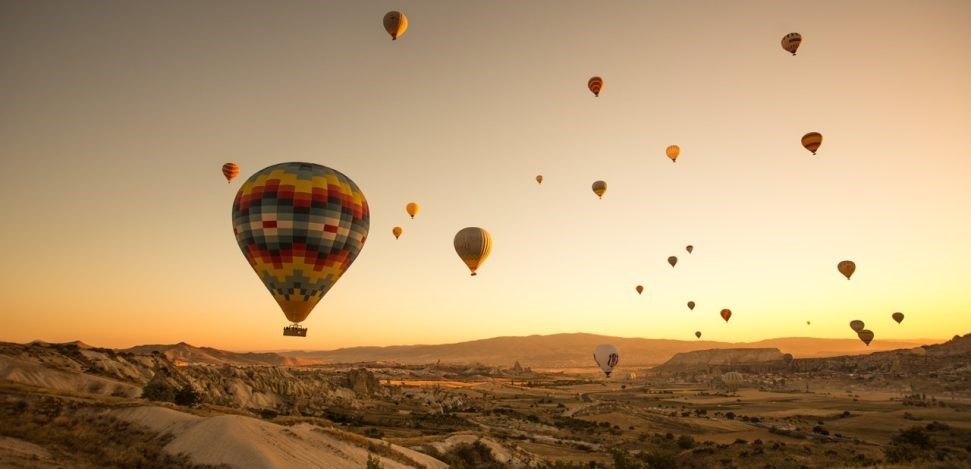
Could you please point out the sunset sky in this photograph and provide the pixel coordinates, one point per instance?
(116, 116)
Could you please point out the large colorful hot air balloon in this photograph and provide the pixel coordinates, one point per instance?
(396, 231)
(698, 334)
(673, 260)
(866, 336)
(898, 316)
(846, 268)
(689, 248)
(607, 357)
(595, 84)
(473, 246)
(732, 380)
(726, 314)
(230, 171)
(857, 325)
(539, 179)
(300, 226)
(673, 151)
(812, 141)
(791, 41)
(412, 209)
(691, 305)
(395, 23)
(599, 188)
(640, 289)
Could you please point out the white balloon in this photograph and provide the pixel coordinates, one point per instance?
(607, 357)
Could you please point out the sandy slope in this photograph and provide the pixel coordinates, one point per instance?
(252, 443)
(34, 374)
(19, 453)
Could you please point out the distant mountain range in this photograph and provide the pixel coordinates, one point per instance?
(183, 353)
(574, 350)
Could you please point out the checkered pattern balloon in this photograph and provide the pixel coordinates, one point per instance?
(300, 226)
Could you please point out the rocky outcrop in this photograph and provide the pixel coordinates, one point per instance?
(716, 360)
(362, 382)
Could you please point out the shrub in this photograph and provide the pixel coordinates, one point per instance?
(686, 442)
(187, 396)
(157, 390)
(373, 462)
(730, 415)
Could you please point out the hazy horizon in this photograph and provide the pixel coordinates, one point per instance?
(117, 117)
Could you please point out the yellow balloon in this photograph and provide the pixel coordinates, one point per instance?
(395, 23)
(599, 188)
(673, 151)
(473, 245)
(412, 209)
(396, 231)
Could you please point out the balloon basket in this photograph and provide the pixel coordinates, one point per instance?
(295, 330)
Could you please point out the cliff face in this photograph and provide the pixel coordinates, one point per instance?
(750, 359)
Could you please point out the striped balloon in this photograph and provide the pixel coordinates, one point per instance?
(230, 171)
(791, 41)
(473, 246)
(595, 84)
(300, 226)
(812, 141)
(395, 23)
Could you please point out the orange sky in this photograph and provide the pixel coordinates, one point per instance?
(116, 116)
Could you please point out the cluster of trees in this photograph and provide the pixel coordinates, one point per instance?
(158, 390)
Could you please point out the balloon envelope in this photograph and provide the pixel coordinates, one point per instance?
(412, 209)
(300, 226)
(640, 289)
(396, 231)
(395, 23)
(846, 268)
(689, 248)
(607, 357)
(673, 151)
(857, 325)
(899, 317)
(473, 245)
(698, 334)
(788, 358)
(595, 84)
(539, 179)
(599, 188)
(726, 314)
(866, 336)
(672, 260)
(812, 141)
(691, 305)
(230, 171)
(791, 41)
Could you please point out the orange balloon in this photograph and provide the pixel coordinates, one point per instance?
(726, 314)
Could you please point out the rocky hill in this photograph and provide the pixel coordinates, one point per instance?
(717, 359)
(183, 353)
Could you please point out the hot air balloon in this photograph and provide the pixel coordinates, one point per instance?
(689, 248)
(672, 260)
(866, 335)
(473, 246)
(607, 357)
(732, 380)
(395, 23)
(726, 314)
(691, 305)
(230, 171)
(673, 151)
(857, 325)
(300, 226)
(396, 231)
(898, 316)
(595, 84)
(698, 334)
(539, 179)
(412, 208)
(599, 188)
(791, 41)
(846, 268)
(787, 358)
(807, 323)
(640, 289)
(812, 141)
